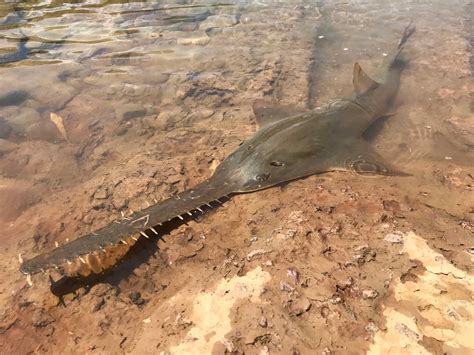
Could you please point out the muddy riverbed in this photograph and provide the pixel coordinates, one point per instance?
(107, 107)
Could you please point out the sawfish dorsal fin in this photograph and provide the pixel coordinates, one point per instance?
(362, 82)
(360, 158)
(267, 113)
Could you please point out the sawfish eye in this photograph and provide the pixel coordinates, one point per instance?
(276, 163)
(262, 177)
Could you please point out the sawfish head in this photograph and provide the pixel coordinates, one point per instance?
(277, 152)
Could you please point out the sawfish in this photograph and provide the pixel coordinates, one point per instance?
(287, 146)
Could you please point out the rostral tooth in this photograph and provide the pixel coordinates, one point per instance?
(144, 234)
(28, 280)
(94, 264)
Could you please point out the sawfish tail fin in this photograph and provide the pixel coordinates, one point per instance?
(409, 30)
(396, 61)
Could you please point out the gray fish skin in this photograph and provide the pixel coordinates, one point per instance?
(283, 149)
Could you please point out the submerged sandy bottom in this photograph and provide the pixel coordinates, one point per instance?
(334, 263)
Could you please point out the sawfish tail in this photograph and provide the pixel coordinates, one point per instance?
(396, 61)
(86, 251)
(409, 30)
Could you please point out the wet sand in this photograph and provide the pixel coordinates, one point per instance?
(334, 263)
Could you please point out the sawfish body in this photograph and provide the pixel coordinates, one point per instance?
(286, 147)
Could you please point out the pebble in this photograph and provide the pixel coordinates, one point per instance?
(369, 294)
(365, 254)
(372, 327)
(166, 120)
(198, 38)
(394, 238)
(174, 178)
(98, 305)
(129, 111)
(409, 333)
(299, 306)
(101, 193)
(294, 274)
(55, 98)
(136, 298)
(44, 130)
(229, 346)
(254, 253)
(391, 205)
(218, 21)
(121, 130)
(286, 287)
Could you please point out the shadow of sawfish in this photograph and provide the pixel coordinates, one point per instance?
(286, 147)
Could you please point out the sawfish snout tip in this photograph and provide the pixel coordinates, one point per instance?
(33, 266)
(27, 269)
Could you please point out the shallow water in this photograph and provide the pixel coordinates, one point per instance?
(106, 106)
(123, 76)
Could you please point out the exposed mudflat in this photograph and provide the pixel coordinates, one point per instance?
(332, 264)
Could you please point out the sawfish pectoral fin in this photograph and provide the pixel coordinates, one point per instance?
(267, 113)
(362, 82)
(362, 159)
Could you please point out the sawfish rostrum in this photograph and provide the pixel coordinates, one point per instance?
(288, 145)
